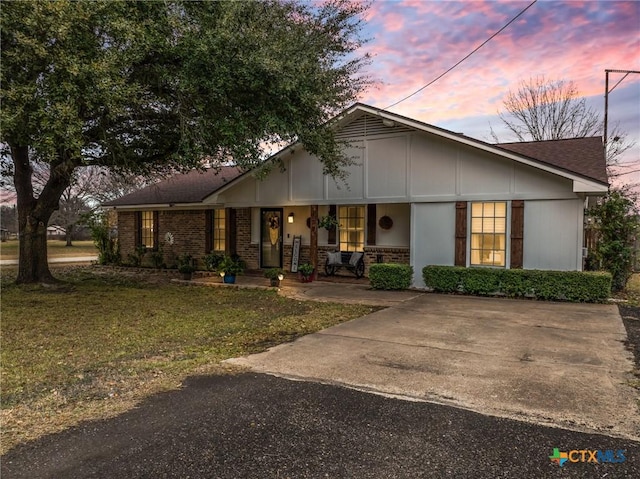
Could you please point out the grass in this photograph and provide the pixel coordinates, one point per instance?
(97, 344)
(55, 249)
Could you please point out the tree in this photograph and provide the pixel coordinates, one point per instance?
(542, 109)
(148, 87)
(617, 222)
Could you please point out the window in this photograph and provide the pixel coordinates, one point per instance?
(219, 219)
(147, 229)
(351, 221)
(488, 234)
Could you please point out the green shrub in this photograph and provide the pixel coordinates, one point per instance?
(106, 243)
(443, 279)
(390, 276)
(481, 281)
(576, 286)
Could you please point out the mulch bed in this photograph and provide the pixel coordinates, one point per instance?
(631, 319)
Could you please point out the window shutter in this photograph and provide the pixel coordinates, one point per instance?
(371, 225)
(461, 234)
(208, 231)
(156, 230)
(331, 239)
(517, 233)
(230, 231)
(137, 227)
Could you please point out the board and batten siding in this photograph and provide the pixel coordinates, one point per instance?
(432, 237)
(553, 231)
(405, 167)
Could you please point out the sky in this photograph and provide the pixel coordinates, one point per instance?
(414, 41)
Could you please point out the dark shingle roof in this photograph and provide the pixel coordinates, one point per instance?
(584, 156)
(191, 187)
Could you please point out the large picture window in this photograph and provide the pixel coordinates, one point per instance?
(218, 233)
(147, 229)
(351, 227)
(488, 234)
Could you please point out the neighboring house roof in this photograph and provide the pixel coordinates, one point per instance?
(579, 155)
(192, 187)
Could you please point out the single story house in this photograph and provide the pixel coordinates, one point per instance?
(416, 194)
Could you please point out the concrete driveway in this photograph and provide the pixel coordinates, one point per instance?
(549, 363)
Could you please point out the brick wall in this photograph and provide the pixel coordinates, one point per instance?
(247, 251)
(126, 233)
(187, 227)
(188, 230)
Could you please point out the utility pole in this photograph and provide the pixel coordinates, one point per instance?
(606, 97)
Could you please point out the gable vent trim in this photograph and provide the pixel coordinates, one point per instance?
(369, 125)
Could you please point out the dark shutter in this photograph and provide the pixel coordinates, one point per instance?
(331, 238)
(208, 231)
(230, 231)
(461, 234)
(156, 231)
(137, 227)
(517, 233)
(371, 225)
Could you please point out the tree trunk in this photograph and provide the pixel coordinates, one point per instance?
(33, 266)
(34, 214)
(68, 233)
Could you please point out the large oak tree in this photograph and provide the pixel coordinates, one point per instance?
(146, 87)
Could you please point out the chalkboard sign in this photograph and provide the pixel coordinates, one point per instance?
(295, 254)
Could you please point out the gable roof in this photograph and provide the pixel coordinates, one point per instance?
(583, 157)
(191, 187)
(578, 155)
(577, 159)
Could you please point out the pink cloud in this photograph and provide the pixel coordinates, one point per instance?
(561, 40)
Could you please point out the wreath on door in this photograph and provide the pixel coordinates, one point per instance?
(274, 226)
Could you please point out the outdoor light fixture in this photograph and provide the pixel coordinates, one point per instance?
(280, 277)
(222, 274)
(290, 217)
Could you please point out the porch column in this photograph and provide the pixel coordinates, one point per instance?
(313, 241)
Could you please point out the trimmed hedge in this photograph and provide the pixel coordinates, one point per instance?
(576, 286)
(390, 276)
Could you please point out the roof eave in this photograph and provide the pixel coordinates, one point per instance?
(472, 142)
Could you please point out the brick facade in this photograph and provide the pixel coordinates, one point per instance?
(186, 226)
(247, 251)
(126, 233)
(188, 229)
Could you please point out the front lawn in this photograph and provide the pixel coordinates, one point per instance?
(94, 346)
(55, 249)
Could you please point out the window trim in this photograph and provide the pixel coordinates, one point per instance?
(361, 245)
(214, 229)
(507, 233)
(154, 229)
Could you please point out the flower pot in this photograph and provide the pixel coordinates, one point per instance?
(275, 282)
(229, 278)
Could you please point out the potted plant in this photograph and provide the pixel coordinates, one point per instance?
(229, 267)
(186, 266)
(212, 261)
(306, 272)
(328, 222)
(275, 275)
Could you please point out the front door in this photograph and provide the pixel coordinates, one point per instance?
(271, 238)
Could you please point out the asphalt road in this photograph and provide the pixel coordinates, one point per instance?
(257, 426)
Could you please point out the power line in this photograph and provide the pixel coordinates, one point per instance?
(454, 66)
